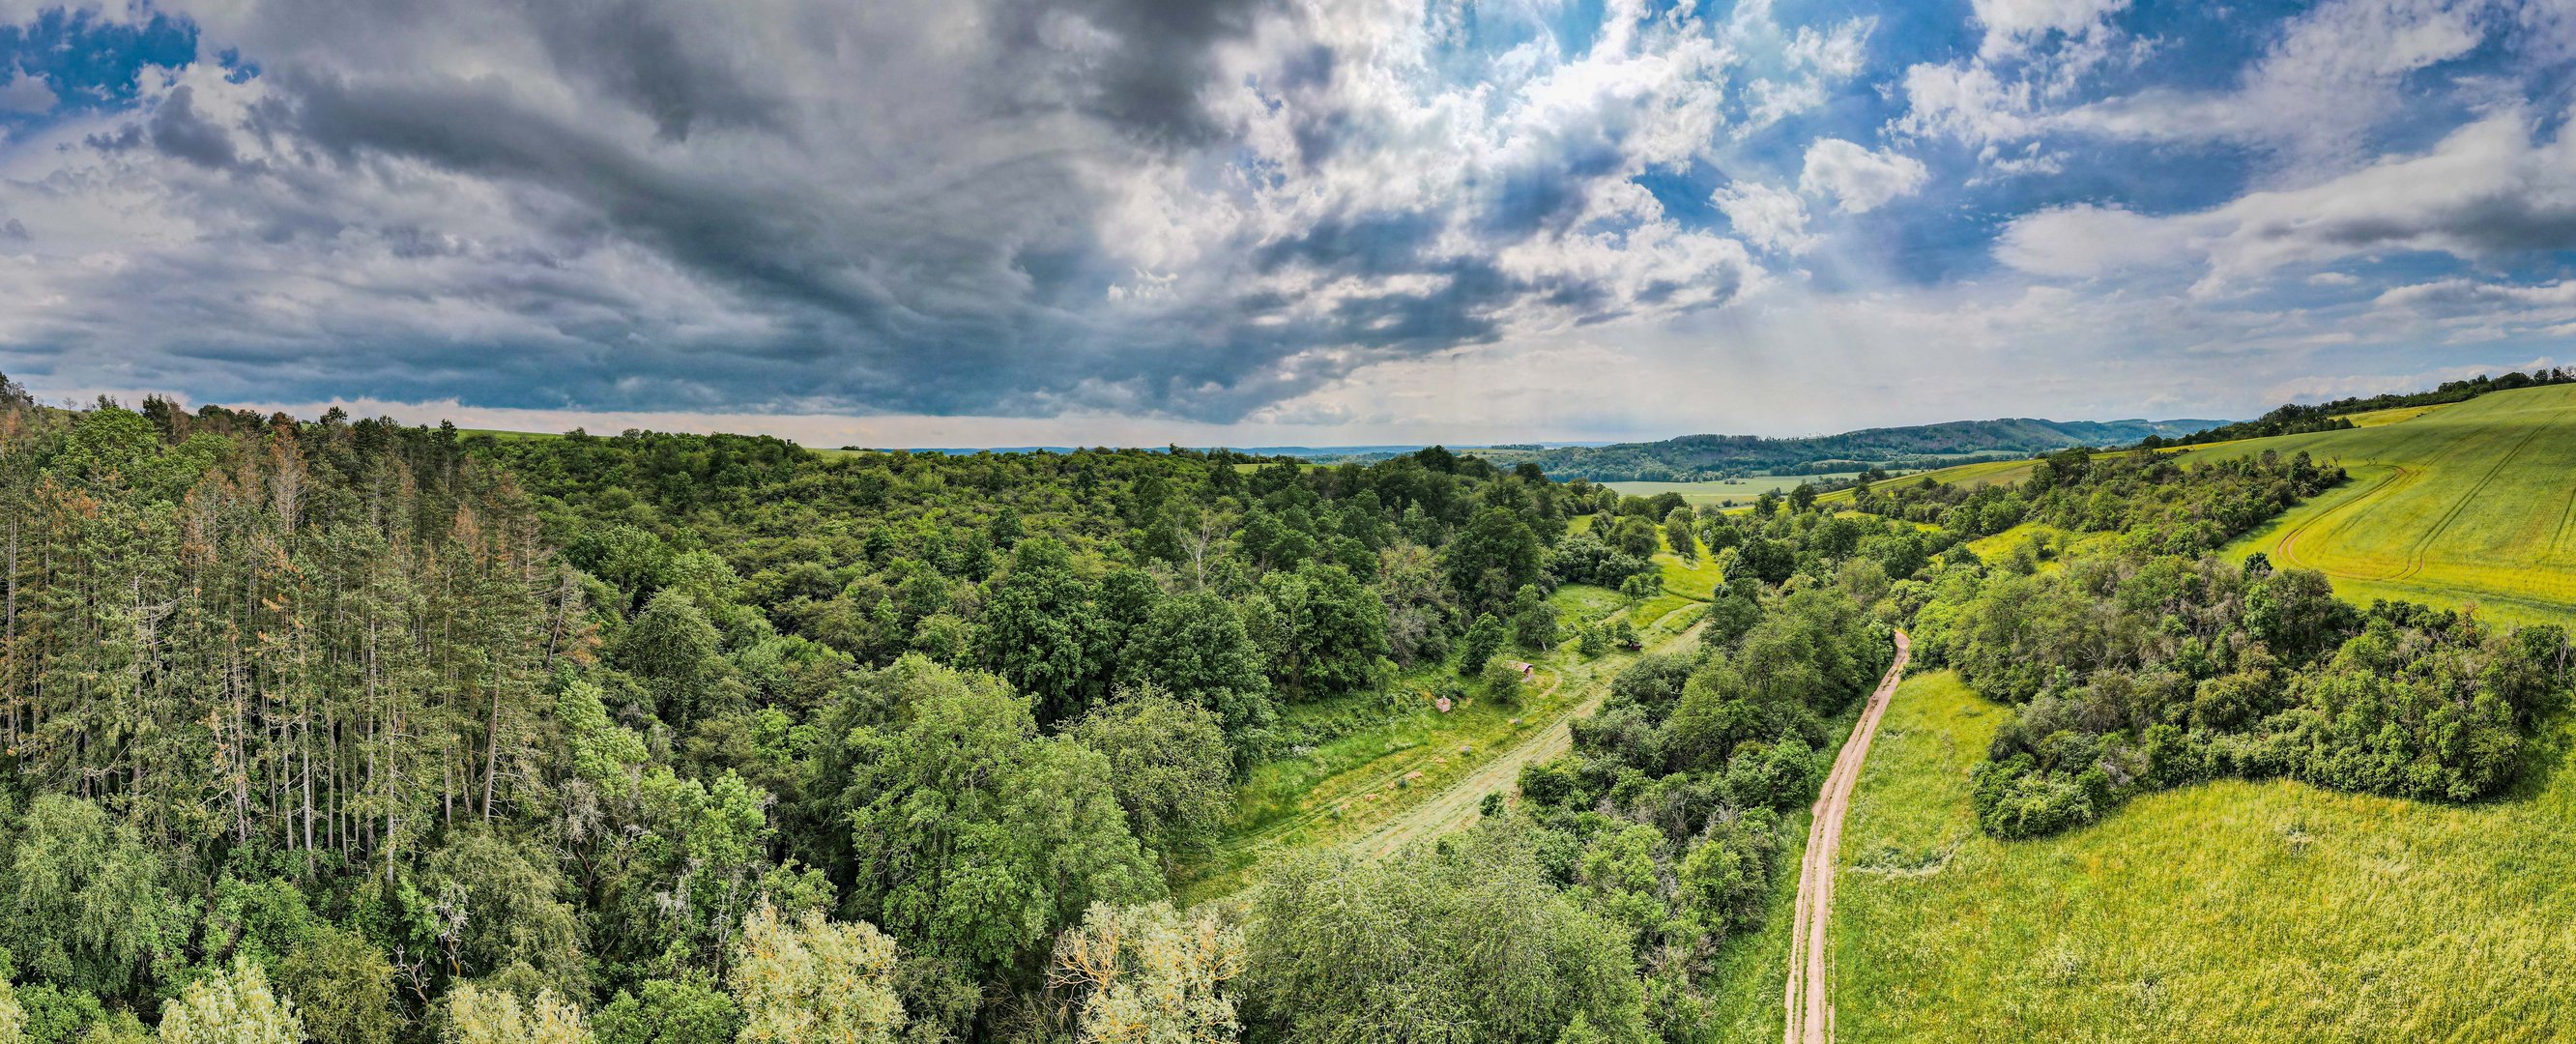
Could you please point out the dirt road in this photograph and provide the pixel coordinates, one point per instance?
(1810, 995)
(1459, 806)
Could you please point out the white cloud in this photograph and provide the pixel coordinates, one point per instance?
(1858, 179)
(2083, 241)
(2489, 191)
(1772, 218)
(26, 92)
(2308, 102)
(2014, 26)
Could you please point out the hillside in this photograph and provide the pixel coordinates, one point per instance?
(2470, 502)
(2229, 911)
(1696, 457)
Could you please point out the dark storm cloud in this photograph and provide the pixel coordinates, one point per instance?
(907, 207)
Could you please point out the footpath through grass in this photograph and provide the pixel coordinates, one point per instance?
(2230, 911)
(2475, 501)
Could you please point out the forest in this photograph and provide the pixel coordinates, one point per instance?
(349, 732)
(346, 731)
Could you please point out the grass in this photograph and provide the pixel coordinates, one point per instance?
(1981, 473)
(2232, 911)
(2471, 502)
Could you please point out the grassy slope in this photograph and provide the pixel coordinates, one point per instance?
(2469, 502)
(2228, 912)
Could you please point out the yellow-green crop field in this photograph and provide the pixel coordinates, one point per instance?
(2231, 911)
(2472, 502)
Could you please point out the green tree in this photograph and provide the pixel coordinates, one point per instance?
(343, 987)
(1464, 941)
(975, 836)
(1168, 763)
(667, 1011)
(233, 1007)
(1534, 623)
(1493, 557)
(1194, 646)
(1678, 532)
(1484, 640)
(813, 981)
(1327, 630)
(1043, 631)
(672, 647)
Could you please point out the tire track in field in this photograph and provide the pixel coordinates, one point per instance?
(2288, 544)
(2424, 546)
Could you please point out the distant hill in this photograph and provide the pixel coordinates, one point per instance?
(1693, 458)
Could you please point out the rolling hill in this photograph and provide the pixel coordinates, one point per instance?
(1697, 457)
(2470, 502)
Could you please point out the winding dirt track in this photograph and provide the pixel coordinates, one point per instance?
(1810, 994)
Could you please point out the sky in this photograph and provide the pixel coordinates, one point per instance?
(1270, 222)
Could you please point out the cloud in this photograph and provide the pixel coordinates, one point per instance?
(2309, 102)
(2014, 26)
(1192, 209)
(26, 93)
(2489, 192)
(1858, 179)
(2083, 241)
(1773, 218)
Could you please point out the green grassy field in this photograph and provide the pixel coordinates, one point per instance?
(2231, 911)
(2474, 501)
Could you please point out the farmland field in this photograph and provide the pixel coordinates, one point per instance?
(2470, 502)
(2230, 911)
(1720, 491)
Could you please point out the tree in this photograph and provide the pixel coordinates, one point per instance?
(1803, 497)
(1168, 763)
(673, 649)
(342, 987)
(1483, 641)
(1464, 941)
(1678, 532)
(1146, 975)
(1327, 630)
(975, 838)
(1491, 558)
(1635, 537)
(1042, 630)
(86, 907)
(815, 981)
(233, 1007)
(1194, 646)
(1501, 681)
(479, 1014)
(668, 1011)
(1533, 620)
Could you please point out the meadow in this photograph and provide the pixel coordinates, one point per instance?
(2232, 911)
(2471, 502)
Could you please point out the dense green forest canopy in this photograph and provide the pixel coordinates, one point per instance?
(357, 733)
(1698, 457)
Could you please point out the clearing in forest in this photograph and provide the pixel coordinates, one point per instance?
(2475, 501)
(1415, 773)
